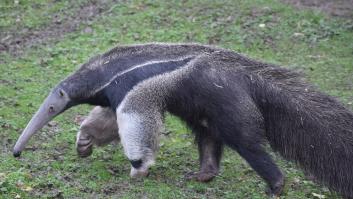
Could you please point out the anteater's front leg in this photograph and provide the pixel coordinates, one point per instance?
(210, 153)
(99, 128)
(139, 136)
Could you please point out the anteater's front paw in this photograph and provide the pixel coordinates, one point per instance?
(276, 190)
(139, 173)
(84, 152)
(202, 176)
(84, 147)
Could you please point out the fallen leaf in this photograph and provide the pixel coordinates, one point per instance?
(298, 34)
(262, 25)
(318, 196)
(28, 189)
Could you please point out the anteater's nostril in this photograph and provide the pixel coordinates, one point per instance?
(51, 109)
(136, 163)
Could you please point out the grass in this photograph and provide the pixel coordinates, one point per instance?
(26, 14)
(269, 30)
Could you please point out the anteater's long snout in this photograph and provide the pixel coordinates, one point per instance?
(53, 105)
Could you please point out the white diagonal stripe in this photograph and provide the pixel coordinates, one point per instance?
(138, 66)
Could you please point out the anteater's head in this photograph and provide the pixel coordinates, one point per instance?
(83, 86)
(57, 102)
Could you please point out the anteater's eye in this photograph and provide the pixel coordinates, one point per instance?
(61, 93)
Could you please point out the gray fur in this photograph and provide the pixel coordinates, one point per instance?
(145, 105)
(99, 128)
(224, 96)
(89, 84)
(106, 67)
(272, 103)
(85, 85)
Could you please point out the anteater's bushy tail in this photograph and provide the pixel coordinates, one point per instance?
(308, 126)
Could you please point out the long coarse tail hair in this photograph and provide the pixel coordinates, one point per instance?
(306, 125)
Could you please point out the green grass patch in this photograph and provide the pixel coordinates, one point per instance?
(310, 41)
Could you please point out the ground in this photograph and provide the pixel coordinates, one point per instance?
(339, 8)
(42, 42)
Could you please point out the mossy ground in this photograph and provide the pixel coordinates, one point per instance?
(319, 45)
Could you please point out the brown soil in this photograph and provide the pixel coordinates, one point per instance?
(15, 41)
(339, 8)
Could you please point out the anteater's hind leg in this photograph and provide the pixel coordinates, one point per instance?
(246, 141)
(242, 127)
(262, 163)
(210, 153)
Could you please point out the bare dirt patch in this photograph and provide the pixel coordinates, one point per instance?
(339, 8)
(16, 41)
